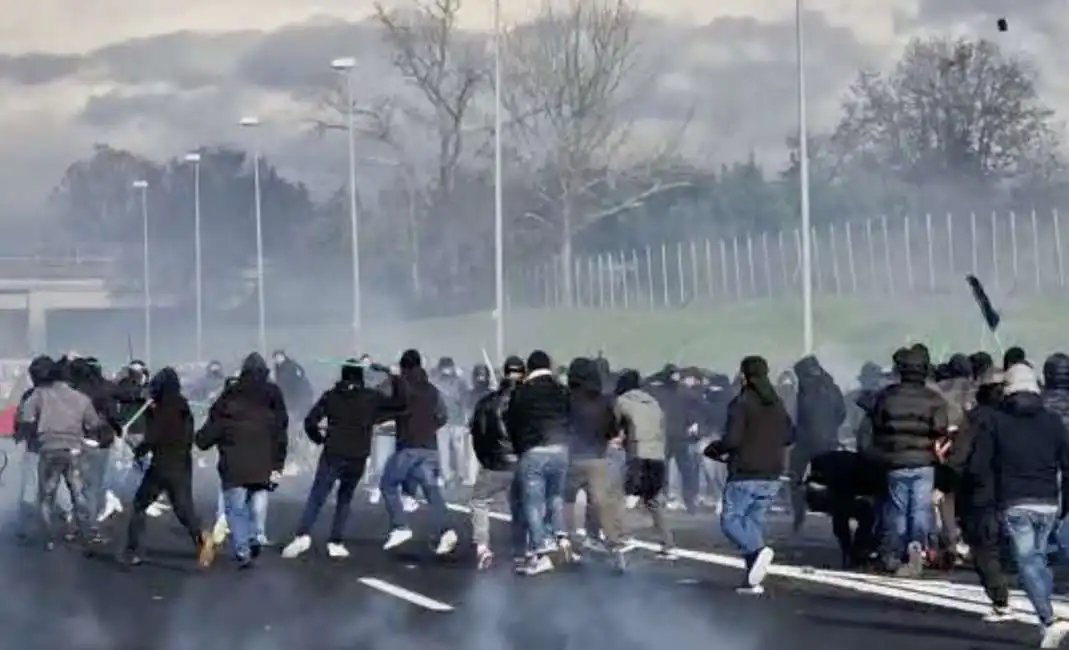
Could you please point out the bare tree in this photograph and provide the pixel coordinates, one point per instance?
(571, 75)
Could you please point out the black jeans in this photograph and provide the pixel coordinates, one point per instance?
(346, 473)
(176, 484)
(982, 531)
(688, 463)
(53, 467)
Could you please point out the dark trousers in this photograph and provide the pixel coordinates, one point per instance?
(982, 531)
(177, 485)
(346, 474)
(859, 545)
(688, 462)
(52, 468)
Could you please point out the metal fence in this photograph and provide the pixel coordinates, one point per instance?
(1011, 252)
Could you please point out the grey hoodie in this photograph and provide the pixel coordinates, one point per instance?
(644, 424)
(61, 416)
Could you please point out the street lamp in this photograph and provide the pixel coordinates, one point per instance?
(499, 222)
(146, 291)
(252, 122)
(345, 67)
(803, 180)
(194, 159)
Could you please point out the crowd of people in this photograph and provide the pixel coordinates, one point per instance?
(943, 463)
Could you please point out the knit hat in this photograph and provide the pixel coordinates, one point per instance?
(1021, 378)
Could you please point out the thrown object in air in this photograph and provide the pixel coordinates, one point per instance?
(1002, 25)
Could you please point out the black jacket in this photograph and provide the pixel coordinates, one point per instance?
(248, 423)
(131, 392)
(168, 427)
(1023, 448)
(820, 408)
(293, 382)
(351, 411)
(1056, 386)
(683, 407)
(103, 394)
(757, 431)
(539, 412)
(489, 437)
(424, 411)
(907, 419)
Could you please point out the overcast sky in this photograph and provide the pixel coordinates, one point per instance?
(159, 77)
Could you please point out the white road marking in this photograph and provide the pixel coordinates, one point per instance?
(406, 595)
(962, 598)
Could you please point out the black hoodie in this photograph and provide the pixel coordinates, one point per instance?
(350, 410)
(908, 417)
(820, 408)
(168, 426)
(248, 423)
(86, 379)
(592, 421)
(424, 411)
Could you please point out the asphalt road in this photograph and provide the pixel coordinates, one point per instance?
(410, 599)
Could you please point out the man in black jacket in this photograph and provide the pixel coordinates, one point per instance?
(908, 419)
(1023, 448)
(248, 425)
(537, 420)
(169, 441)
(758, 429)
(498, 459)
(341, 421)
(819, 412)
(416, 458)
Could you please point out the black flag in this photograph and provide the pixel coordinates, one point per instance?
(987, 310)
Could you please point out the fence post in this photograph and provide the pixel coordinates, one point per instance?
(834, 259)
(994, 251)
(738, 270)
(592, 282)
(695, 283)
(931, 251)
(709, 269)
(975, 247)
(612, 281)
(599, 266)
(626, 271)
(750, 263)
(798, 257)
(887, 255)
(1014, 255)
(679, 274)
(818, 267)
(664, 274)
(953, 263)
(850, 257)
(724, 269)
(909, 253)
(873, 278)
(1058, 246)
(782, 261)
(577, 284)
(649, 276)
(768, 263)
(1035, 252)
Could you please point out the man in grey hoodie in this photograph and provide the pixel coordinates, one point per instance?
(643, 423)
(59, 419)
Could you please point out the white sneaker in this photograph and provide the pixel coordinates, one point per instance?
(220, 531)
(632, 502)
(998, 615)
(540, 564)
(291, 469)
(297, 547)
(1054, 634)
(485, 557)
(337, 550)
(409, 504)
(447, 543)
(397, 537)
(155, 510)
(374, 495)
(755, 590)
(567, 551)
(759, 569)
(112, 506)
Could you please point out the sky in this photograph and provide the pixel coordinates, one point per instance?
(160, 77)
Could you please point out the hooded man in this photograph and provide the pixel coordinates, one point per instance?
(683, 411)
(342, 422)
(908, 419)
(416, 458)
(1024, 448)
(593, 430)
(494, 450)
(59, 419)
(454, 450)
(248, 425)
(169, 441)
(758, 430)
(643, 425)
(819, 412)
(86, 377)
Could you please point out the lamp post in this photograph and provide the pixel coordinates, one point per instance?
(146, 291)
(194, 159)
(252, 122)
(499, 222)
(345, 66)
(803, 181)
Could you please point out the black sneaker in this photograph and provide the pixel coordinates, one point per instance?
(255, 549)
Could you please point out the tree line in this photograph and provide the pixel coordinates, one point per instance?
(956, 124)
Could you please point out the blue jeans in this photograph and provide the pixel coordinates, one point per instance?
(257, 505)
(742, 518)
(1029, 529)
(908, 506)
(408, 467)
(684, 477)
(382, 447)
(543, 472)
(237, 503)
(328, 473)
